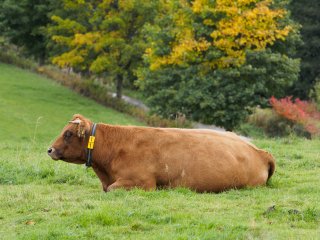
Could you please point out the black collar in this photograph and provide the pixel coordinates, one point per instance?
(91, 145)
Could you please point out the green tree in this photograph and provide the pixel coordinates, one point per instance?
(23, 22)
(103, 37)
(223, 97)
(214, 66)
(306, 12)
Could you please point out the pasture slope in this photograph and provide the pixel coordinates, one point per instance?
(43, 199)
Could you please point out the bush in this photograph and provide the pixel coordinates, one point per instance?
(316, 93)
(272, 124)
(250, 130)
(287, 117)
(299, 112)
(10, 54)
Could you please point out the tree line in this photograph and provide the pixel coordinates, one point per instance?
(212, 61)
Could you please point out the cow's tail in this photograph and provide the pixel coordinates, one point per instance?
(272, 168)
(271, 164)
(270, 161)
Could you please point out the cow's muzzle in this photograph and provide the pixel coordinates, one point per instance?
(52, 152)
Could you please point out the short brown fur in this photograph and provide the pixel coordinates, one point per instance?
(130, 156)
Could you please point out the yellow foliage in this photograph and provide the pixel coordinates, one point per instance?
(73, 4)
(89, 38)
(246, 25)
(198, 5)
(69, 59)
(62, 40)
(179, 53)
(126, 4)
(186, 45)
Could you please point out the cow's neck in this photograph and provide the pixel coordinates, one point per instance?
(103, 152)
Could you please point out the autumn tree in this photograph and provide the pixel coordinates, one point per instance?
(103, 37)
(213, 61)
(229, 27)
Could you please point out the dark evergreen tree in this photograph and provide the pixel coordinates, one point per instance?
(23, 23)
(307, 13)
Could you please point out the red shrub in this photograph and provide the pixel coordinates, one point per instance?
(298, 111)
(309, 108)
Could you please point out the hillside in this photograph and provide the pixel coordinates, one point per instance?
(33, 107)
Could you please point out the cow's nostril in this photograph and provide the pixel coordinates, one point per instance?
(49, 150)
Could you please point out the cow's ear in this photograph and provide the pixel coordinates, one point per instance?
(78, 116)
(83, 125)
(83, 129)
(75, 121)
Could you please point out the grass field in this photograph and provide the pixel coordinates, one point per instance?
(43, 199)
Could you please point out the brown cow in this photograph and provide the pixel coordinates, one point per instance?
(144, 157)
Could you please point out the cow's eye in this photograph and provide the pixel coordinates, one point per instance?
(67, 134)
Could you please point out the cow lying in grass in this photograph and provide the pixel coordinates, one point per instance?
(143, 157)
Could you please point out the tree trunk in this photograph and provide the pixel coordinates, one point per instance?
(119, 85)
(85, 73)
(42, 59)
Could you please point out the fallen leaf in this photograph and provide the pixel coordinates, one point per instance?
(30, 222)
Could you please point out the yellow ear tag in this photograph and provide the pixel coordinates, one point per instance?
(91, 142)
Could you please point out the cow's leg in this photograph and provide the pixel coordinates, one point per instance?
(149, 184)
(103, 178)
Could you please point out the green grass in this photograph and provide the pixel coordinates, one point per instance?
(44, 199)
(32, 106)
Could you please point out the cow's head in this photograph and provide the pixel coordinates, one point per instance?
(70, 146)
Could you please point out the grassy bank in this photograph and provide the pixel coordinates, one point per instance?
(43, 199)
(33, 107)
